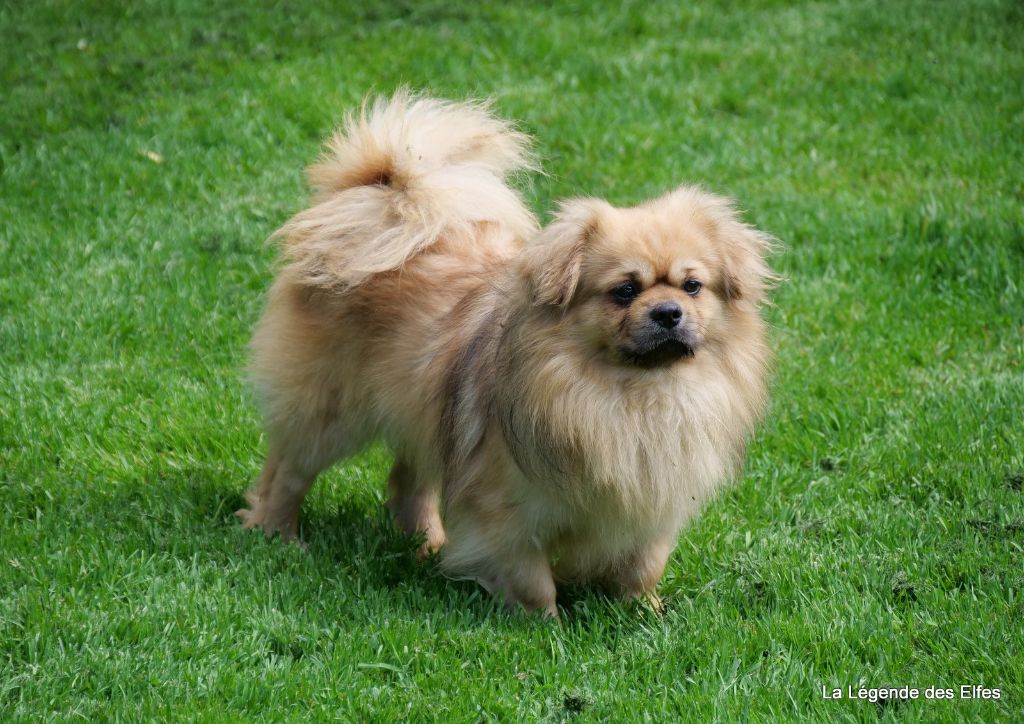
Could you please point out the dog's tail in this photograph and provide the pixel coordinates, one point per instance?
(398, 176)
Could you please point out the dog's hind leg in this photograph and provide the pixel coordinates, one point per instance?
(275, 499)
(288, 474)
(415, 505)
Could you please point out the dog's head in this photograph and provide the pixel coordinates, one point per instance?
(649, 286)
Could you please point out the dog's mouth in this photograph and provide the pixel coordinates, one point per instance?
(660, 354)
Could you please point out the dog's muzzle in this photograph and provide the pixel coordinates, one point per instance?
(659, 345)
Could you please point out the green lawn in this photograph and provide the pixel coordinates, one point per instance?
(877, 537)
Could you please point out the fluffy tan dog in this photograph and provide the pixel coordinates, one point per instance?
(568, 397)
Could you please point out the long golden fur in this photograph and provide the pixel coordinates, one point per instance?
(569, 397)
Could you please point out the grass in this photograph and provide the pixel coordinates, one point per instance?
(877, 537)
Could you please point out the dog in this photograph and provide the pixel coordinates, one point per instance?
(559, 401)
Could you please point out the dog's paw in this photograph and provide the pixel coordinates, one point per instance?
(655, 602)
(640, 601)
(435, 540)
(257, 517)
(543, 605)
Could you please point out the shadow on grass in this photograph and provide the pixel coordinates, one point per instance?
(185, 522)
(353, 549)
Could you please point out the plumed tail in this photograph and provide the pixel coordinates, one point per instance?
(398, 176)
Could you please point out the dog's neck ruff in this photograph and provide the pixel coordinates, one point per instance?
(658, 441)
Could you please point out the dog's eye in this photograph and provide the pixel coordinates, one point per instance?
(692, 287)
(625, 292)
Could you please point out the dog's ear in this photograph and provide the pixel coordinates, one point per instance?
(554, 258)
(743, 250)
(746, 274)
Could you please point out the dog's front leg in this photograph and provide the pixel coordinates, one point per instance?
(492, 547)
(637, 577)
(524, 579)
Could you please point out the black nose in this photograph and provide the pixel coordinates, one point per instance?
(667, 314)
